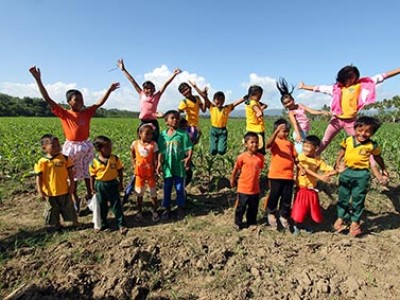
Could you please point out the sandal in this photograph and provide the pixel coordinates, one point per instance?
(339, 226)
(123, 230)
(355, 229)
(272, 220)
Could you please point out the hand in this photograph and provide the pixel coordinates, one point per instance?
(233, 182)
(205, 90)
(159, 114)
(35, 72)
(186, 163)
(340, 168)
(301, 171)
(93, 192)
(159, 170)
(177, 71)
(259, 114)
(301, 85)
(326, 178)
(298, 138)
(114, 86)
(192, 83)
(281, 127)
(120, 64)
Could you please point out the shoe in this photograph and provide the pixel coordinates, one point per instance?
(284, 222)
(165, 215)
(138, 217)
(155, 217)
(123, 230)
(272, 220)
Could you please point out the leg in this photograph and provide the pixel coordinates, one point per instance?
(180, 191)
(53, 212)
(240, 208)
(168, 182)
(274, 195)
(213, 141)
(344, 193)
(252, 209)
(358, 194)
(116, 207)
(129, 189)
(286, 198)
(101, 194)
(331, 131)
(223, 141)
(67, 210)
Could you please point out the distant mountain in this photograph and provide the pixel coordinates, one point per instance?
(239, 113)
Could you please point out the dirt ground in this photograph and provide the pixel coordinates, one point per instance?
(201, 256)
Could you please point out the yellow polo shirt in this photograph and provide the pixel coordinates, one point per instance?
(106, 171)
(54, 172)
(314, 164)
(349, 100)
(219, 115)
(253, 123)
(357, 155)
(192, 110)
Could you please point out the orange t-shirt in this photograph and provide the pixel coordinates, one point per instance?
(282, 159)
(145, 158)
(250, 168)
(75, 124)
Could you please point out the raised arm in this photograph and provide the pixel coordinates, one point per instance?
(272, 138)
(37, 75)
(314, 111)
(303, 86)
(202, 93)
(167, 83)
(120, 64)
(240, 101)
(112, 88)
(392, 73)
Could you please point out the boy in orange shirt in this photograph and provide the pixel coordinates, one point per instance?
(281, 174)
(249, 165)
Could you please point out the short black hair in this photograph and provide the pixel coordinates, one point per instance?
(183, 86)
(171, 112)
(347, 72)
(219, 95)
(281, 121)
(255, 89)
(46, 138)
(100, 141)
(370, 121)
(148, 85)
(71, 93)
(313, 140)
(250, 135)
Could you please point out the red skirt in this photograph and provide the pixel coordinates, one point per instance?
(306, 203)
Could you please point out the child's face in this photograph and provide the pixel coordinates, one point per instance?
(219, 101)
(146, 135)
(363, 133)
(148, 91)
(252, 144)
(52, 147)
(76, 102)
(283, 134)
(106, 150)
(172, 121)
(288, 103)
(309, 149)
(352, 80)
(186, 91)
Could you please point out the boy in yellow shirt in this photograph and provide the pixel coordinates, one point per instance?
(106, 181)
(219, 114)
(55, 182)
(355, 173)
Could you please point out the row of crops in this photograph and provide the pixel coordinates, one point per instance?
(20, 149)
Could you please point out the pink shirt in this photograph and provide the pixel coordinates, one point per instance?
(301, 118)
(148, 106)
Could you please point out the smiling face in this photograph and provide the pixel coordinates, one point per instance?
(283, 134)
(52, 147)
(219, 101)
(186, 91)
(288, 103)
(363, 133)
(309, 149)
(76, 102)
(148, 91)
(251, 144)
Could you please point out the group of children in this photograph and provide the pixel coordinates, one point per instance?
(168, 153)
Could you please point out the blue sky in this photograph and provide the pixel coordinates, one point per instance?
(226, 45)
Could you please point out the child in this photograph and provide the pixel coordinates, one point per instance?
(144, 160)
(249, 165)
(306, 201)
(281, 174)
(183, 125)
(54, 182)
(104, 171)
(297, 114)
(349, 95)
(174, 159)
(149, 98)
(255, 116)
(354, 174)
(219, 115)
(191, 105)
(76, 127)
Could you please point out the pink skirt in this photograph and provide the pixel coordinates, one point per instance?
(306, 204)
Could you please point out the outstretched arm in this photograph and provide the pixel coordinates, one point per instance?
(392, 73)
(167, 83)
(238, 102)
(120, 64)
(303, 86)
(112, 88)
(314, 111)
(37, 75)
(202, 93)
